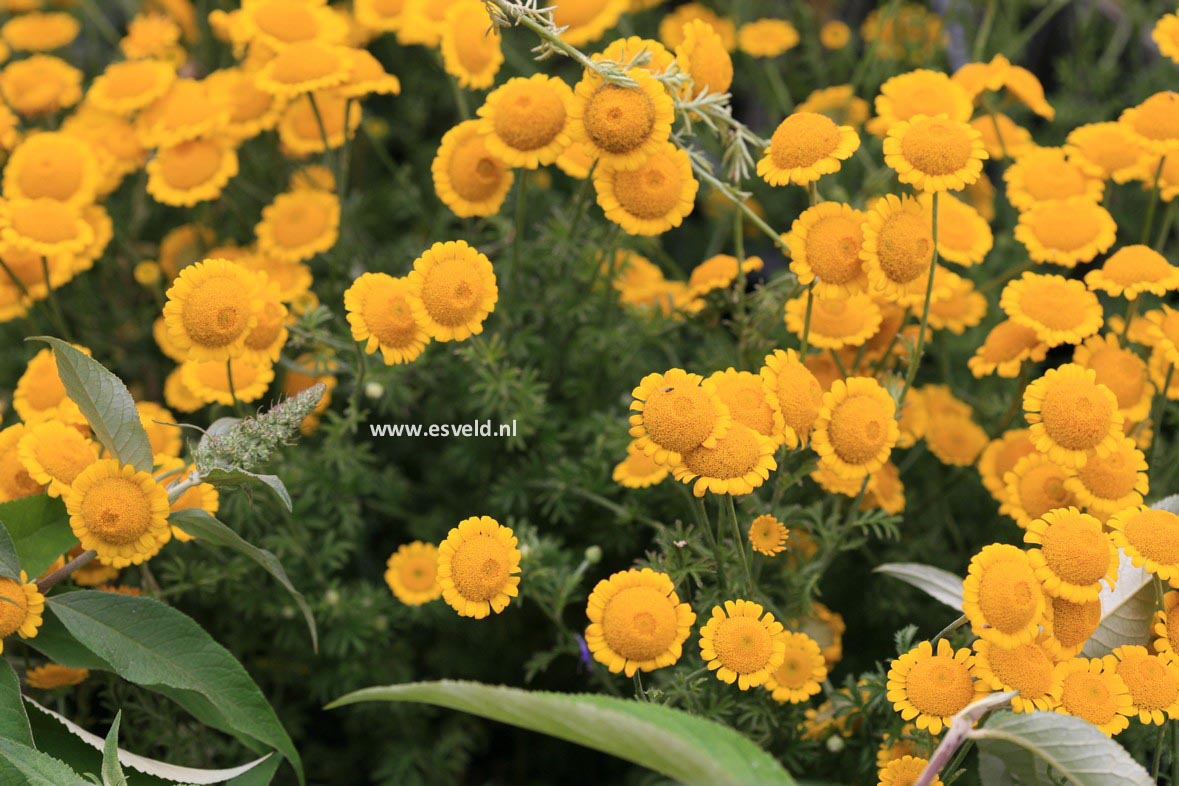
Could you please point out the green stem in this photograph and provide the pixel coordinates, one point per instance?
(1159, 740)
(998, 132)
(946, 631)
(1168, 221)
(1131, 313)
(1026, 34)
(706, 525)
(460, 99)
(778, 85)
(869, 59)
(806, 326)
(237, 405)
(1160, 408)
(55, 312)
(915, 362)
(737, 199)
(739, 541)
(521, 211)
(1154, 200)
(358, 382)
(838, 363)
(984, 30)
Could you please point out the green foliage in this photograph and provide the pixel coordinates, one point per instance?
(39, 529)
(112, 771)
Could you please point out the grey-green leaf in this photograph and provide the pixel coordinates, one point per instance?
(153, 645)
(37, 768)
(239, 477)
(105, 402)
(112, 771)
(1075, 750)
(939, 584)
(9, 562)
(207, 529)
(40, 530)
(1126, 611)
(14, 723)
(686, 748)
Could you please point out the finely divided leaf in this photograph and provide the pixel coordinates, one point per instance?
(939, 584)
(686, 748)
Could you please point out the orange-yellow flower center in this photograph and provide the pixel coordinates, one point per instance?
(1076, 415)
(653, 190)
(679, 417)
(14, 606)
(453, 291)
(803, 139)
(1089, 696)
(1073, 623)
(904, 246)
(639, 623)
(480, 567)
(937, 146)
(939, 686)
(1026, 668)
(833, 248)
(475, 174)
(216, 311)
(1076, 550)
(736, 454)
(619, 119)
(1153, 686)
(190, 164)
(116, 511)
(859, 428)
(528, 116)
(1009, 595)
(1155, 534)
(743, 644)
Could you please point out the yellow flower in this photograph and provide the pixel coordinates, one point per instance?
(932, 687)
(119, 512)
(794, 395)
(1066, 232)
(856, 427)
(622, 126)
(840, 103)
(1006, 347)
(1112, 483)
(834, 34)
(152, 35)
(1091, 689)
(1002, 596)
(719, 272)
(804, 147)
(452, 291)
(825, 242)
(1150, 539)
(1153, 682)
(1133, 270)
(276, 24)
(366, 76)
(298, 225)
(1027, 668)
(955, 440)
(477, 564)
(958, 307)
(702, 57)
(744, 394)
(471, 49)
(1162, 332)
(1071, 626)
(381, 315)
(1108, 150)
(802, 672)
(963, 235)
(636, 622)
(188, 110)
(380, 15)
(586, 20)
(1166, 35)
(768, 536)
(21, 607)
(412, 573)
(1026, 89)
(676, 412)
(40, 394)
(300, 131)
(740, 462)
(52, 676)
(44, 226)
(525, 121)
(40, 32)
(251, 109)
(905, 771)
(54, 454)
(1075, 555)
(212, 306)
(202, 496)
(836, 322)
(1003, 137)
(1047, 174)
(934, 153)
(303, 67)
(1060, 310)
(190, 172)
(766, 38)
(1071, 415)
(652, 198)
(1166, 628)
(266, 339)
(638, 470)
(40, 85)
(53, 165)
(244, 379)
(1121, 370)
(1035, 486)
(742, 643)
(898, 250)
(1155, 123)
(671, 26)
(919, 92)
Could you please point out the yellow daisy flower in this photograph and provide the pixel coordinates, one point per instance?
(188, 110)
(245, 379)
(836, 322)
(963, 235)
(637, 622)
(742, 643)
(1071, 626)
(119, 512)
(959, 307)
(1155, 123)
(1132, 270)
(1046, 174)
(804, 147)
(470, 44)
(40, 31)
(744, 394)
(719, 272)
(766, 38)
(905, 771)
(1026, 88)
(1027, 668)
(477, 567)
(412, 573)
(16, 482)
(919, 92)
(898, 250)
(671, 26)
(54, 454)
(187, 173)
(825, 242)
(621, 125)
(211, 308)
(21, 607)
(856, 427)
(1112, 483)
(1165, 628)
(52, 676)
(638, 470)
(1166, 35)
(1121, 370)
(840, 103)
(586, 20)
(384, 16)
(702, 56)
(834, 34)
(1150, 539)
(627, 51)
(931, 688)
(676, 412)
(652, 198)
(1002, 137)
(300, 131)
(1071, 415)
(768, 536)
(1074, 554)
(366, 76)
(53, 165)
(794, 394)
(1060, 310)
(1091, 690)
(526, 121)
(381, 314)
(955, 440)
(1001, 596)
(740, 462)
(1109, 150)
(298, 225)
(40, 85)
(1066, 232)
(303, 67)
(802, 672)
(934, 153)
(452, 291)
(1033, 487)
(1153, 682)
(44, 226)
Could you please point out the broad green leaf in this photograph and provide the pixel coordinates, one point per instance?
(941, 585)
(1076, 751)
(37, 768)
(262, 775)
(209, 530)
(153, 645)
(239, 477)
(162, 771)
(9, 562)
(1126, 611)
(40, 530)
(112, 771)
(14, 723)
(686, 748)
(105, 402)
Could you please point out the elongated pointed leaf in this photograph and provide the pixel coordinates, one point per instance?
(14, 723)
(1077, 752)
(9, 562)
(153, 645)
(239, 477)
(939, 584)
(686, 748)
(40, 531)
(112, 771)
(38, 769)
(208, 529)
(105, 402)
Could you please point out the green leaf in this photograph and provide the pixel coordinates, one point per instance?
(1126, 611)
(14, 723)
(153, 645)
(9, 562)
(105, 402)
(40, 530)
(211, 531)
(686, 748)
(37, 768)
(1077, 752)
(112, 771)
(937, 583)
(261, 775)
(239, 477)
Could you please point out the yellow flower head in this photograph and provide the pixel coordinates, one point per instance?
(383, 16)
(834, 34)
(212, 306)
(52, 676)
(1071, 414)
(1000, 457)
(40, 394)
(526, 121)
(380, 313)
(963, 235)
(1155, 123)
(119, 512)
(366, 76)
(839, 102)
(452, 291)
(586, 20)
(676, 412)
(931, 688)
(1108, 150)
(740, 462)
(1133, 270)
(671, 26)
(1074, 554)
(766, 38)
(794, 395)
(719, 272)
(1047, 174)
(1035, 486)
(898, 249)
(1091, 690)
(904, 771)
(1121, 370)
(856, 428)
(1028, 668)
(652, 198)
(40, 85)
(245, 378)
(1166, 628)
(299, 128)
(44, 226)
(627, 52)
(1071, 625)
(1150, 539)
(804, 147)
(21, 607)
(1001, 596)
(471, 49)
(1109, 484)
(1066, 232)
(1152, 680)
(744, 394)
(477, 567)
(298, 225)
(1026, 88)
(303, 67)
(1002, 137)
(825, 242)
(835, 322)
(958, 306)
(188, 110)
(191, 172)
(54, 454)
(1166, 35)
(703, 57)
(152, 35)
(277, 24)
(919, 92)
(638, 470)
(934, 153)
(40, 32)
(742, 643)
(621, 125)
(768, 536)
(955, 440)
(802, 672)
(1060, 310)
(53, 165)
(412, 573)
(637, 622)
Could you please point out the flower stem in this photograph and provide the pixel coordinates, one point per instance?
(946, 631)
(739, 541)
(50, 581)
(781, 92)
(1157, 417)
(915, 362)
(806, 325)
(1154, 201)
(55, 312)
